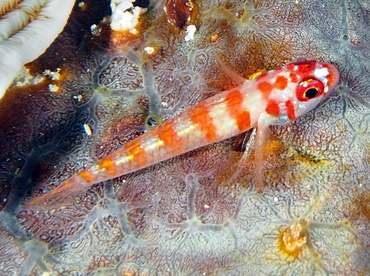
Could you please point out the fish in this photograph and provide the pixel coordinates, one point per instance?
(275, 97)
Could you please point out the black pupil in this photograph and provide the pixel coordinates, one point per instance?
(311, 93)
(152, 121)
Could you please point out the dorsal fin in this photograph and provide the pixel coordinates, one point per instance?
(230, 72)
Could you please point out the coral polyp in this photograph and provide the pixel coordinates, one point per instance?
(293, 239)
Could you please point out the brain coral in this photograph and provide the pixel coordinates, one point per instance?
(195, 214)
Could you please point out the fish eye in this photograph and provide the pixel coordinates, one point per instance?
(311, 93)
(152, 121)
(309, 88)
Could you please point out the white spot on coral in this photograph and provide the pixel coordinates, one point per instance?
(53, 88)
(87, 129)
(190, 31)
(81, 5)
(25, 78)
(78, 98)
(125, 16)
(95, 30)
(52, 75)
(149, 50)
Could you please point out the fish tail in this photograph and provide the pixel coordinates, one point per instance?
(60, 196)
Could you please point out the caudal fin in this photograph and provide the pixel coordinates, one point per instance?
(60, 197)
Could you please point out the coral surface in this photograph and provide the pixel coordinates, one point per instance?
(27, 28)
(195, 214)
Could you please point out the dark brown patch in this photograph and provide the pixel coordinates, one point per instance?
(179, 12)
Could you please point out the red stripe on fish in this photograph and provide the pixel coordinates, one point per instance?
(290, 110)
(168, 136)
(281, 82)
(265, 88)
(234, 102)
(201, 118)
(272, 108)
